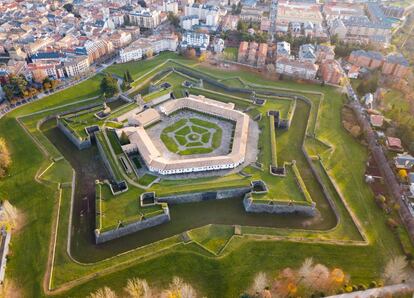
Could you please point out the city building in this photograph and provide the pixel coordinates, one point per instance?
(153, 44)
(296, 69)
(198, 40)
(77, 66)
(283, 49)
(361, 29)
(330, 72)
(218, 45)
(145, 18)
(120, 39)
(299, 12)
(307, 53)
(396, 65)
(95, 49)
(229, 22)
(336, 10)
(156, 161)
(170, 6)
(252, 53)
(324, 52)
(251, 14)
(201, 10)
(368, 59)
(45, 69)
(187, 22)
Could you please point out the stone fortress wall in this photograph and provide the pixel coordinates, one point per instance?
(278, 207)
(80, 144)
(204, 196)
(132, 227)
(222, 194)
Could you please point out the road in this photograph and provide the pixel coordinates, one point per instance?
(387, 172)
(379, 292)
(7, 108)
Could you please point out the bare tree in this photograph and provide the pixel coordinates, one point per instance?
(5, 159)
(319, 277)
(396, 270)
(305, 270)
(187, 291)
(178, 288)
(138, 288)
(103, 293)
(260, 283)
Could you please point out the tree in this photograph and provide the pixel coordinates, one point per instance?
(69, 7)
(178, 288)
(174, 20)
(241, 26)
(319, 278)
(5, 158)
(16, 87)
(203, 57)
(103, 293)
(53, 84)
(109, 85)
(8, 91)
(123, 139)
(260, 283)
(47, 83)
(403, 174)
(149, 53)
(190, 53)
(129, 77)
(396, 270)
(306, 269)
(138, 288)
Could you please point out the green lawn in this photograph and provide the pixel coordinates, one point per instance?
(212, 237)
(58, 172)
(77, 122)
(112, 162)
(230, 53)
(115, 144)
(123, 208)
(193, 134)
(231, 273)
(147, 179)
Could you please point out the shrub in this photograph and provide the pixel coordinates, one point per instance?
(392, 223)
(362, 287)
(373, 284)
(355, 288)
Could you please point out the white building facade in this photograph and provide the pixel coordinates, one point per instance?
(195, 40)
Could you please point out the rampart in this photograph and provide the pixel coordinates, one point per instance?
(101, 237)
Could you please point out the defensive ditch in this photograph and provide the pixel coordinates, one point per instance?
(183, 217)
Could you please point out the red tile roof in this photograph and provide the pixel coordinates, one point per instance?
(377, 120)
(394, 142)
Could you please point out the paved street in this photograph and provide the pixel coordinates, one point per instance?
(379, 292)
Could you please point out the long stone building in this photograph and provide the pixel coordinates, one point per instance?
(158, 163)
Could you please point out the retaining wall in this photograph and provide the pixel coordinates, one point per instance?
(132, 227)
(277, 208)
(204, 196)
(105, 159)
(80, 144)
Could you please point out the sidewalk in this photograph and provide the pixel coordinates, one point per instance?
(379, 292)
